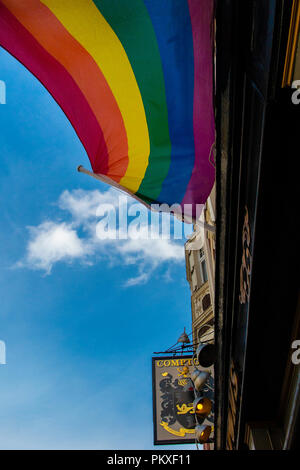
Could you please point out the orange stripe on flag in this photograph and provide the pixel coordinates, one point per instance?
(57, 41)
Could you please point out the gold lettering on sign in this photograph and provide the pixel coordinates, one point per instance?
(177, 362)
(246, 264)
(232, 407)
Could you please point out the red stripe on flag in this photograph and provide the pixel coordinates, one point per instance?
(21, 44)
(45, 27)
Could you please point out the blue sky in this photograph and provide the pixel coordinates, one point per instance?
(80, 317)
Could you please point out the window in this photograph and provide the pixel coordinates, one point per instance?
(206, 302)
(203, 271)
(204, 332)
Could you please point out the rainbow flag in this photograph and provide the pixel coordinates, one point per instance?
(135, 79)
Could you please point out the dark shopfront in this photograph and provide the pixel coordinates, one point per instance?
(257, 260)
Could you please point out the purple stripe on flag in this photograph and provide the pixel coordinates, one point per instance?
(203, 175)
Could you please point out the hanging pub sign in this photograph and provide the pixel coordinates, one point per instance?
(173, 396)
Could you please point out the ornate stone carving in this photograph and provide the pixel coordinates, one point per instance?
(245, 271)
(232, 408)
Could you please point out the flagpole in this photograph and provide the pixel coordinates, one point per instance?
(109, 181)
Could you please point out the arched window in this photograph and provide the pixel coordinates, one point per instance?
(206, 302)
(204, 330)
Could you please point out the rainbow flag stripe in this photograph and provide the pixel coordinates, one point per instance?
(135, 79)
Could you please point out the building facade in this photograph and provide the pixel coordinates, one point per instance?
(200, 272)
(257, 299)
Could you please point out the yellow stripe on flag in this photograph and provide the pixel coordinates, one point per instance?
(87, 25)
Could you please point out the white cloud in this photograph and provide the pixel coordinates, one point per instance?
(159, 250)
(148, 255)
(51, 242)
(76, 238)
(83, 205)
(141, 279)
